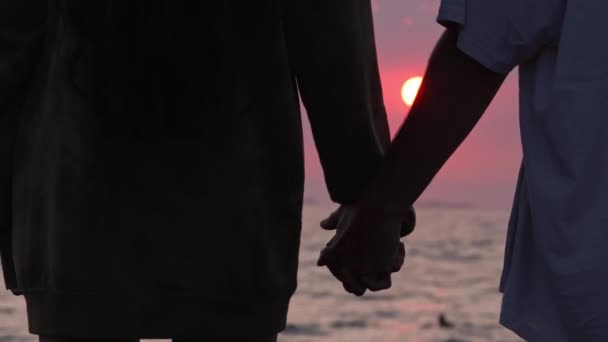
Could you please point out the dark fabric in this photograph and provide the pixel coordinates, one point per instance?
(68, 339)
(230, 339)
(200, 339)
(153, 313)
(22, 26)
(157, 180)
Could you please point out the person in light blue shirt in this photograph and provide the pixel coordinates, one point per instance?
(555, 278)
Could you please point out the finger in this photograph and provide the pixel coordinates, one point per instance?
(409, 224)
(352, 284)
(399, 259)
(378, 283)
(331, 222)
(411, 217)
(335, 272)
(325, 257)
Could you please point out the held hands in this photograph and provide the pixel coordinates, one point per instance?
(366, 249)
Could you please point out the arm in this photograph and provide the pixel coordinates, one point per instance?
(485, 40)
(455, 93)
(332, 52)
(442, 116)
(21, 37)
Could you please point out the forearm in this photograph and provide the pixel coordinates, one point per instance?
(455, 93)
(333, 55)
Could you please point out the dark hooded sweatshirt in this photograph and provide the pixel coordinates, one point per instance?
(151, 156)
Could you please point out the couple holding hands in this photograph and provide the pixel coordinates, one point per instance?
(152, 168)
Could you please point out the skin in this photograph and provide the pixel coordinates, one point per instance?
(454, 95)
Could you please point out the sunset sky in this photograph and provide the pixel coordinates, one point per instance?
(484, 169)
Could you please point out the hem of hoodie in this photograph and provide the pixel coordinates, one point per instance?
(8, 270)
(152, 316)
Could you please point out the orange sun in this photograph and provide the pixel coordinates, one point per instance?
(410, 90)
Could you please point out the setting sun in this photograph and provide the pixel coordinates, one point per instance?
(410, 90)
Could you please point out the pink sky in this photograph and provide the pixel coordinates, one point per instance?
(484, 169)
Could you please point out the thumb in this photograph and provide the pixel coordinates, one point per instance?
(399, 258)
(331, 222)
(326, 257)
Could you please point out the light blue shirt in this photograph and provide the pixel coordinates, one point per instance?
(555, 278)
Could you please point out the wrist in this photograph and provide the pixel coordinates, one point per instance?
(385, 211)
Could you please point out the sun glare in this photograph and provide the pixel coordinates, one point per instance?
(410, 90)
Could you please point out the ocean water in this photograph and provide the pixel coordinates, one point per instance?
(452, 270)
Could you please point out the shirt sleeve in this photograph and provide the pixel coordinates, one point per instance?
(502, 34)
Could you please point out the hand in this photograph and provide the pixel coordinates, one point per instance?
(365, 250)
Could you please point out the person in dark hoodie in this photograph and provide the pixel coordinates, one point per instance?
(152, 159)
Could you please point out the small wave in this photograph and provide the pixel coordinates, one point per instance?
(303, 330)
(359, 323)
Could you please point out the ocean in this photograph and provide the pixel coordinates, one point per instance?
(446, 292)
